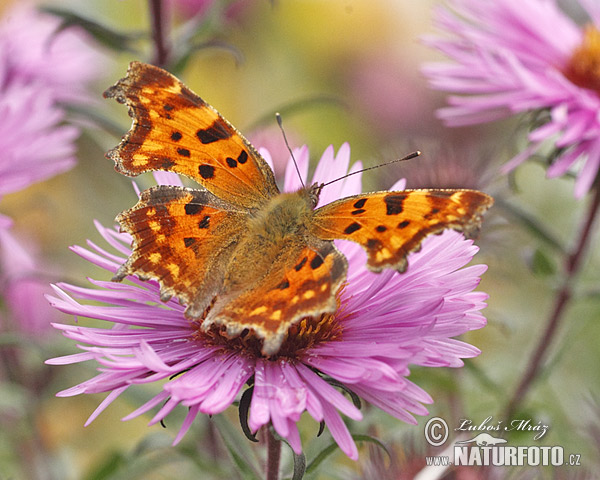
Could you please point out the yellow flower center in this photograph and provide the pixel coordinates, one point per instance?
(583, 68)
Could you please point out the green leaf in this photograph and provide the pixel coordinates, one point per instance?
(105, 36)
(541, 264)
(485, 380)
(531, 224)
(109, 465)
(327, 451)
(180, 63)
(237, 447)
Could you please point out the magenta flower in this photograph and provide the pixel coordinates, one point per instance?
(515, 56)
(38, 69)
(385, 322)
(34, 144)
(33, 52)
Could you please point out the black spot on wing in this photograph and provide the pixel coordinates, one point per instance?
(184, 152)
(217, 131)
(381, 228)
(283, 285)
(360, 203)
(316, 262)
(242, 157)
(403, 224)
(176, 136)
(206, 171)
(232, 162)
(353, 227)
(394, 203)
(301, 264)
(189, 241)
(358, 212)
(193, 208)
(205, 222)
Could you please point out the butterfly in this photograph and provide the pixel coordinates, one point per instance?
(238, 253)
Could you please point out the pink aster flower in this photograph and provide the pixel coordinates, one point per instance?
(385, 322)
(39, 68)
(34, 143)
(33, 52)
(515, 56)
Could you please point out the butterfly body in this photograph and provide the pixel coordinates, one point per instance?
(243, 257)
(278, 227)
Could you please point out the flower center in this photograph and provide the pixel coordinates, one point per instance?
(583, 68)
(304, 334)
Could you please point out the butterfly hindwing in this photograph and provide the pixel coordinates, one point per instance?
(390, 225)
(303, 282)
(183, 238)
(175, 130)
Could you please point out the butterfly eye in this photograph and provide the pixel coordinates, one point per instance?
(314, 193)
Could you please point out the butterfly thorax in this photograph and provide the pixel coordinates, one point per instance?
(279, 226)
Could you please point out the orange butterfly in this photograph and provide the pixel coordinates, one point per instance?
(241, 255)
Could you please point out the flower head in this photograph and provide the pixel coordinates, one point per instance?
(34, 144)
(33, 51)
(39, 67)
(384, 323)
(515, 56)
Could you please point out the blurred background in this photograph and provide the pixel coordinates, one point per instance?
(338, 71)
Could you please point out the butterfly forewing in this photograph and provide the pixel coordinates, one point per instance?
(175, 130)
(390, 225)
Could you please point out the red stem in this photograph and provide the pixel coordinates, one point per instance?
(572, 264)
(273, 455)
(161, 50)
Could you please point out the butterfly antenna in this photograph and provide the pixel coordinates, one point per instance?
(408, 157)
(280, 123)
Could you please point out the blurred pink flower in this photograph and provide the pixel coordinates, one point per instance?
(25, 308)
(515, 56)
(33, 52)
(391, 96)
(385, 322)
(271, 140)
(39, 69)
(231, 10)
(34, 144)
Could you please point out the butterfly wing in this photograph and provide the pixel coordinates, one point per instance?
(183, 238)
(175, 130)
(303, 282)
(390, 225)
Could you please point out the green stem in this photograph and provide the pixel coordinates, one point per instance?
(572, 265)
(273, 455)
